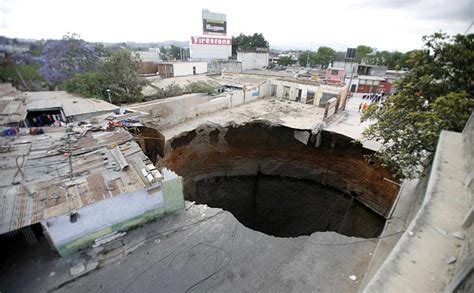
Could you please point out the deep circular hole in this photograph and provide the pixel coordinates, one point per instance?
(289, 207)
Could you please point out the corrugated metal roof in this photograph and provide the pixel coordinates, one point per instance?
(35, 179)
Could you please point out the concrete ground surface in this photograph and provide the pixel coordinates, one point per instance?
(204, 249)
(348, 123)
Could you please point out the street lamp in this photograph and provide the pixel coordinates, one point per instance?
(108, 94)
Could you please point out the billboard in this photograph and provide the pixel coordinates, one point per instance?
(209, 48)
(213, 23)
(211, 41)
(350, 53)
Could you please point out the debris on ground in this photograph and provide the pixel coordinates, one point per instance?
(449, 259)
(107, 238)
(459, 235)
(441, 231)
(78, 269)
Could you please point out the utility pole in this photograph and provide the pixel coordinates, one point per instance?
(307, 57)
(108, 94)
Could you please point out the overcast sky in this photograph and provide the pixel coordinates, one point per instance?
(382, 24)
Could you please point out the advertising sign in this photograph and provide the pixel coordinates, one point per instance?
(214, 23)
(211, 41)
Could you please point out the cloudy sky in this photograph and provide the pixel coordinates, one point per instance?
(382, 24)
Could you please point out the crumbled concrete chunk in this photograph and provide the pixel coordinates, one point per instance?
(449, 259)
(77, 269)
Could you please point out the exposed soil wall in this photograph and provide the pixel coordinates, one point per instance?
(211, 151)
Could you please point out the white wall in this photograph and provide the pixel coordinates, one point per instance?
(171, 111)
(102, 214)
(253, 60)
(318, 90)
(186, 68)
(209, 52)
(294, 88)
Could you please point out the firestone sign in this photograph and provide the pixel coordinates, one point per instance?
(211, 41)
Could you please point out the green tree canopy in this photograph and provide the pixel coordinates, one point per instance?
(15, 73)
(87, 85)
(286, 61)
(306, 58)
(248, 42)
(393, 60)
(120, 73)
(362, 51)
(436, 94)
(324, 56)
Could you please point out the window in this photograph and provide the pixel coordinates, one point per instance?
(73, 217)
(334, 72)
(286, 92)
(376, 82)
(310, 98)
(362, 81)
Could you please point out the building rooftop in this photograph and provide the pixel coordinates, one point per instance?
(14, 105)
(36, 179)
(71, 105)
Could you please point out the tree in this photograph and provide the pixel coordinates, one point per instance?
(201, 86)
(340, 56)
(175, 52)
(324, 56)
(13, 73)
(87, 85)
(286, 61)
(120, 73)
(362, 51)
(306, 59)
(66, 57)
(164, 53)
(436, 94)
(248, 42)
(393, 60)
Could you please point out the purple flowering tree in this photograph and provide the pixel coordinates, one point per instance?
(66, 57)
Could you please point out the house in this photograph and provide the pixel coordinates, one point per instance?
(29, 108)
(76, 185)
(173, 68)
(334, 75)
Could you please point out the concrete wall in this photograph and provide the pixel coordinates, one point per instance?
(253, 60)
(117, 213)
(438, 229)
(186, 68)
(318, 89)
(171, 111)
(294, 89)
(219, 66)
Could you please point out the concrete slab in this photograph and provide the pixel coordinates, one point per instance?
(206, 249)
(287, 113)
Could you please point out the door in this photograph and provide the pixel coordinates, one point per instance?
(298, 98)
(273, 91)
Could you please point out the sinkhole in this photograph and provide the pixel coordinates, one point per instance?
(289, 207)
(281, 181)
